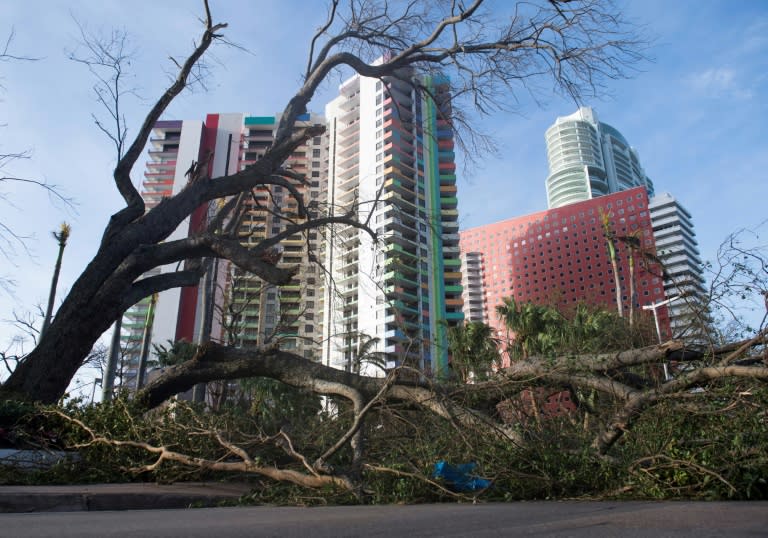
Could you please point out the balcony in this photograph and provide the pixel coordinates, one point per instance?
(396, 277)
(398, 250)
(398, 292)
(350, 130)
(404, 308)
(450, 239)
(397, 335)
(401, 202)
(448, 202)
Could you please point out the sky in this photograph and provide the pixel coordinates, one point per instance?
(696, 114)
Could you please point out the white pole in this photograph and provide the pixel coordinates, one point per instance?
(655, 308)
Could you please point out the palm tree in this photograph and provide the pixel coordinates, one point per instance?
(474, 350)
(635, 248)
(366, 354)
(535, 328)
(62, 236)
(509, 315)
(610, 238)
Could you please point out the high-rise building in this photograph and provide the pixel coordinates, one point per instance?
(231, 305)
(678, 250)
(257, 312)
(559, 257)
(472, 286)
(391, 164)
(589, 158)
(173, 147)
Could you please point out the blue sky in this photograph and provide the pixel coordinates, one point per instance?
(696, 114)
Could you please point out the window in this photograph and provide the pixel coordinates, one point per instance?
(315, 153)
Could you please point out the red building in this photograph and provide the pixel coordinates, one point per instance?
(560, 256)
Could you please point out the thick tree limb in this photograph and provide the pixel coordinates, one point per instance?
(155, 284)
(134, 202)
(217, 362)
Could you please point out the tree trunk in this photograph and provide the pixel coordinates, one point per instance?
(54, 285)
(616, 279)
(631, 287)
(90, 308)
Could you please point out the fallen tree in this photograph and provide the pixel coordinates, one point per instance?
(593, 372)
(447, 420)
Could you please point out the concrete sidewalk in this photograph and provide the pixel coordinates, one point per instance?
(141, 496)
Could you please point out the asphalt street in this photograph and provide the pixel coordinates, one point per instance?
(572, 518)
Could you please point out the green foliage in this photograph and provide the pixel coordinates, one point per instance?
(543, 330)
(711, 447)
(474, 350)
(174, 353)
(276, 405)
(705, 444)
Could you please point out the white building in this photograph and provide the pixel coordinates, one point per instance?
(588, 158)
(678, 250)
(472, 283)
(391, 164)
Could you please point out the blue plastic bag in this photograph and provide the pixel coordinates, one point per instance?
(460, 478)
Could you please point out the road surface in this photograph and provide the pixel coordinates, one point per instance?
(545, 519)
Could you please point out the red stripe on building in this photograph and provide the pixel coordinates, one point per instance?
(185, 325)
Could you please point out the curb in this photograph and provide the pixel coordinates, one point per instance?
(98, 497)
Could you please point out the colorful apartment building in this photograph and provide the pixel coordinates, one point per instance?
(173, 147)
(391, 163)
(231, 305)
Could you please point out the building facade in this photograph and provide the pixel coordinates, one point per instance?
(256, 312)
(679, 252)
(231, 305)
(173, 147)
(472, 287)
(588, 158)
(559, 257)
(391, 164)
